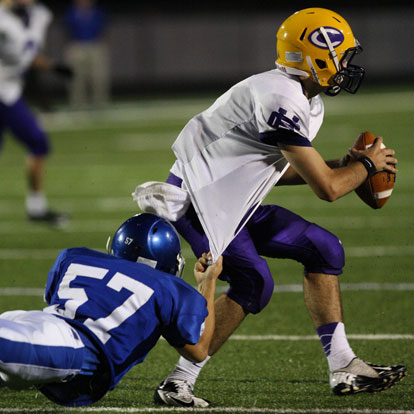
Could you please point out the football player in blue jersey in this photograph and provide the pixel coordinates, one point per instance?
(106, 312)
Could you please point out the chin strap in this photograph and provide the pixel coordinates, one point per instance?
(108, 245)
(312, 69)
(291, 71)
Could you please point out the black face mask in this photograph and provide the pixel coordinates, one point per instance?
(349, 77)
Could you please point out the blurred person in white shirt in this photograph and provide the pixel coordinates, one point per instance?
(23, 28)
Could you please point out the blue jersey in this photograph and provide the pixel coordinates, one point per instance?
(123, 307)
(86, 26)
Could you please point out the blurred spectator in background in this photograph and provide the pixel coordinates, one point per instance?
(23, 27)
(86, 23)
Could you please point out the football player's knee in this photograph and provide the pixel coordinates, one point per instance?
(267, 291)
(264, 287)
(329, 254)
(40, 146)
(256, 289)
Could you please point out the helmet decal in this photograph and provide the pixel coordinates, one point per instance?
(128, 240)
(317, 39)
(293, 56)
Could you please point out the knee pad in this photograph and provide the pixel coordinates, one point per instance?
(328, 254)
(250, 286)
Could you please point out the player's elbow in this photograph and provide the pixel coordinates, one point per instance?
(328, 197)
(329, 193)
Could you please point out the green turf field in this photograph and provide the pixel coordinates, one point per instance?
(274, 363)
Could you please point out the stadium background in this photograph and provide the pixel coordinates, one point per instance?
(191, 46)
(169, 62)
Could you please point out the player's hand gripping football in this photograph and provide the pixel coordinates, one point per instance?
(204, 271)
(382, 157)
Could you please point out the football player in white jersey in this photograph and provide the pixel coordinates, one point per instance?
(23, 27)
(255, 136)
(106, 312)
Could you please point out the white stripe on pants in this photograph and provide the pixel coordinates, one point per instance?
(37, 347)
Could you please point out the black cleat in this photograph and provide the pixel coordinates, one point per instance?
(360, 376)
(52, 218)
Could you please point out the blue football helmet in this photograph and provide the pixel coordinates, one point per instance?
(149, 239)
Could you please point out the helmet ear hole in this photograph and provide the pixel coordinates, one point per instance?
(303, 33)
(321, 63)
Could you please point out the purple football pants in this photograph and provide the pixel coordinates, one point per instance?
(273, 232)
(19, 120)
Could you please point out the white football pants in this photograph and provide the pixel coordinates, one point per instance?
(37, 348)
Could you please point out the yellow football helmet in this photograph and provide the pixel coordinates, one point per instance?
(319, 43)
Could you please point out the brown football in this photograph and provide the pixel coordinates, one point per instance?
(376, 190)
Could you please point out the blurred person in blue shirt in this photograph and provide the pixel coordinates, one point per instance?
(86, 23)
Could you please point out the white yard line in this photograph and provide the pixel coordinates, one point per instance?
(164, 109)
(291, 199)
(360, 251)
(378, 251)
(140, 112)
(366, 337)
(104, 225)
(353, 287)
(208, 410)
(12, 291)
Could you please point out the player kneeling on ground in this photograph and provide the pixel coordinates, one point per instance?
(107, 311)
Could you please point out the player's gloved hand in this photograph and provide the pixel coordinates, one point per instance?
(63, 70)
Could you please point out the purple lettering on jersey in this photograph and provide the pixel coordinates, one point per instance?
(30, 45)
(335, 36)
(279, 118)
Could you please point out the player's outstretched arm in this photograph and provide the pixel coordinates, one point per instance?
(206, 276)
(332, 183)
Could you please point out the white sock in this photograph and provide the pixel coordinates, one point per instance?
(36, 203)
(341, 353)
(186, 370)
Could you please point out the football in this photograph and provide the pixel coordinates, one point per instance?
(376, 190)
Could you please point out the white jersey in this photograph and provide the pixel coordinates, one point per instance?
(226, 157)
(19, 45)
